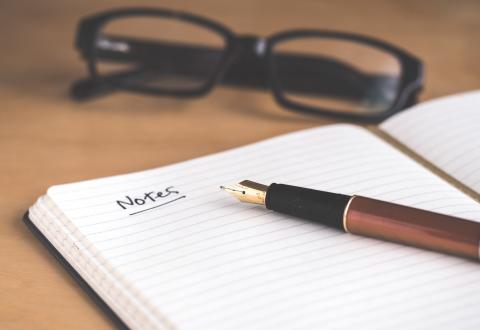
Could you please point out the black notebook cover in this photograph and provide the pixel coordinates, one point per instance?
(76, 276)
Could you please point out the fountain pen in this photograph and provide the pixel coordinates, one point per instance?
(367, 217)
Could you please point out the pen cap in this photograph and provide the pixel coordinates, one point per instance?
(318, 206)
(411, 226)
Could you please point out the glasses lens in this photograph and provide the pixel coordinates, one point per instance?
(158, 53)
(336, 74)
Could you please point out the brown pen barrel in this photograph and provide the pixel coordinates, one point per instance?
(411, 226)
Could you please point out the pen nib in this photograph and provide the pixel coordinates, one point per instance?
(247, 191)
(232, 190)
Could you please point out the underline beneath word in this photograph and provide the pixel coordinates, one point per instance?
(154, 207)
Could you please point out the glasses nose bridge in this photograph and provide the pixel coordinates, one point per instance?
(251, 46)
(249, 65)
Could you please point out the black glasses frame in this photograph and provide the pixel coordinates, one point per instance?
(243, 54)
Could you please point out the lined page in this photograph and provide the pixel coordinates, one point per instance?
(208, 262)
(446, 132)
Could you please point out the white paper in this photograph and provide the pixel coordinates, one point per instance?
(206, 261)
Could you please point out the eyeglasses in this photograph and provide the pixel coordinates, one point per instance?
(173, 53)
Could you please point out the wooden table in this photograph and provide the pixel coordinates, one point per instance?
(45, 138)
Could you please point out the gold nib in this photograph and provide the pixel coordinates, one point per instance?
(248, 191)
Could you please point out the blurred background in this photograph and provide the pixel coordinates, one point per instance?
(46, 138)
(39, 63)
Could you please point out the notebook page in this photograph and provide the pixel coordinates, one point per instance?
(446, 132)
(208, 262)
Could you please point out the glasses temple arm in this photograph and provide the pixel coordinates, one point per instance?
(88, 88)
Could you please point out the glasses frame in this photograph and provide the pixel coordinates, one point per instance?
(245, 46)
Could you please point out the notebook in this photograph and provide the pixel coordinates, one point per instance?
(166, 249)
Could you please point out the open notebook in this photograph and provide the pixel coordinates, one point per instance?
(166, 249)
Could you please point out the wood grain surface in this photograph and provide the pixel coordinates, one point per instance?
(46, 139)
